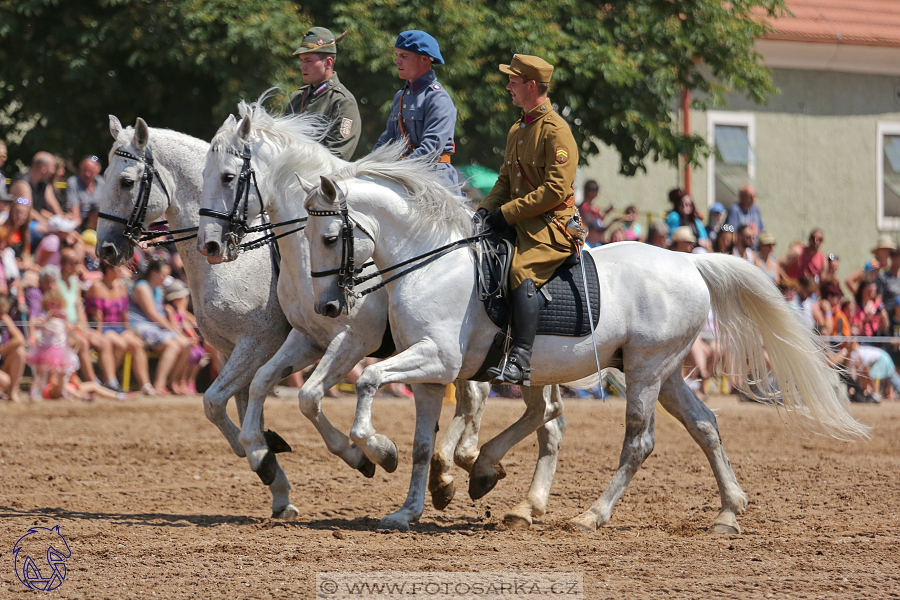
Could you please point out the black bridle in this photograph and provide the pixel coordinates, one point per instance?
(238, 227)
(135, 232)
(347, 273)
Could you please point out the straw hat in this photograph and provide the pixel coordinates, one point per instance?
(884, 242)
(683, 234)
(766, 238)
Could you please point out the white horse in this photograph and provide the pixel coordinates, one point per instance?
(654, 304)
(236, 306)
(340, 343)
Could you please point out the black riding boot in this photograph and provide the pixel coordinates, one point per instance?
(526, 307)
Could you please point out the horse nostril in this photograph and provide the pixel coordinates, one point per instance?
(212, 248)
(332, 309)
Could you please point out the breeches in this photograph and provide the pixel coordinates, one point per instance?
(537, 253)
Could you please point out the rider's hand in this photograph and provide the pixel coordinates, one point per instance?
(497, 221)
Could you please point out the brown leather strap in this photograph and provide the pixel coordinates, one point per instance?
(567, 203)
(403, 127)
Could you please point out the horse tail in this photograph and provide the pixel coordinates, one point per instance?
(752, 316)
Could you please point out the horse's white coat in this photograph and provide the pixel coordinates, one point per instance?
(236, 306)
(279, 147)
(654, 303)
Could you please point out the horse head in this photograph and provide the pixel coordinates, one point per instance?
(135, 194)
(231, 197)
(338, 245)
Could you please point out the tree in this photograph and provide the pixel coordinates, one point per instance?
(184, 64)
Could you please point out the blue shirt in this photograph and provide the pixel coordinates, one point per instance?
(737, 217)
(429, 117)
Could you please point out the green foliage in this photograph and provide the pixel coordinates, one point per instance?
(183, 64)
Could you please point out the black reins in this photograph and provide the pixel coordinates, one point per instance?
(134, 224)
(238, 227)
(347, 273)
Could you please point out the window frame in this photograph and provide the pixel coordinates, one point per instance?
(739, 119)
(883, 128)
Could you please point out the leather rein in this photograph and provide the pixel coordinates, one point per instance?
(347, 273)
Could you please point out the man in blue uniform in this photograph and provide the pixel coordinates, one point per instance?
(423, 113)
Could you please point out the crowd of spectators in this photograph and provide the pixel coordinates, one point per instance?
(69, 321)
(865, 305)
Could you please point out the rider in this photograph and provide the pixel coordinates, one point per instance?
(534, 195)
(423, 112)
(324, 94)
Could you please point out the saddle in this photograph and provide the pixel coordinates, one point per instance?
(565, 308)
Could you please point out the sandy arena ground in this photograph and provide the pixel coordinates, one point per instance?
(154, 504)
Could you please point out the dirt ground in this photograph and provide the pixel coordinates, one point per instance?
(153, 504)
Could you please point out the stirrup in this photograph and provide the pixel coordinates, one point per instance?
(500, 376)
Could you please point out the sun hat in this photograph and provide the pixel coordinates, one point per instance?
(58, 223)
(177, 289)
(683, 234)
(766, 238)
(884, 243)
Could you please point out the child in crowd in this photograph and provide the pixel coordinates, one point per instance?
(12, 352)
(51, 353)
(184, 381)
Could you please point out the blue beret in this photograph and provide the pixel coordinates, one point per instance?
(420, 43)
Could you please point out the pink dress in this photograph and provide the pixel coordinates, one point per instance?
(52, 349)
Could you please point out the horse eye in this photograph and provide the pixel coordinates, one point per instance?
(227, 178)
(126, 183)
(330, 240)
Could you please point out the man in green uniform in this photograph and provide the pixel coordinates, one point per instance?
(534, 195)
(324, 94)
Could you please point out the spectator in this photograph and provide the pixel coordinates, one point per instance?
(765, 257)
(148, 320)
(839, 321)
(868, 317)
(51, 353)
(683, 240)
(91, 260)
(17, 232)
(83, 190)
(684, 214)
(807, 303)
(178, 296)
(874, 364)
(589, 212)
(746, 212)
(60, 235)
(12, 353)
(632, 228)
(744, 241)
(37, 183)
(725, 240)
(106, 305)
(714, 224)
(658, 235)
(887, 283)
(811, 261)
(595, 234)
(35, 288)
(616, 233)
(828, 281)
(69, 285)
(4, 192)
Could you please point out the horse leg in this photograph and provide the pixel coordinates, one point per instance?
(343, 352)
(541, 405)
(535, 504)
(459, 444)
(295, 353)
(429, 397)
(215, 401)
(680, 402)
(639, 420)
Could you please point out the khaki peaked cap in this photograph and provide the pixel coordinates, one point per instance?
(529, 67)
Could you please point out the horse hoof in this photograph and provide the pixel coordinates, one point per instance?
(391, 460)
(276, 443)
(288, 513)
(394, 524)
(722, 528)
(516, 521)
(584, 523)
(367, 468)
(442, 496)
(480, 485)
(267, 469)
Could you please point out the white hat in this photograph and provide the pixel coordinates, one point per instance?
(58, 223)
(683, 234)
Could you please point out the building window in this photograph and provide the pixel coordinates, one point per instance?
(888, 176)
(732, 164)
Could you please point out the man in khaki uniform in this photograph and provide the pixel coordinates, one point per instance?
(324, 94)
(535, 185)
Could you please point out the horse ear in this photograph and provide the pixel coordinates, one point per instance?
(329, 189)
(115, 126)
(141, 134)
(307, 186)
(244, 129)
(229, 121)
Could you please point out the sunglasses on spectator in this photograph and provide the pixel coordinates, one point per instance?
(833, 257)
(91, 158)
(21, 200)
(728, 228)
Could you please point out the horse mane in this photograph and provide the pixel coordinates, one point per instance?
(305, 131)
(426, 191)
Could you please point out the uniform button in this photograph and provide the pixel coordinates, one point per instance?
(508, 162)
(532, 162)
(517, 189)
(404, 106)
(407, 92)
(518, 175)
(521, 141)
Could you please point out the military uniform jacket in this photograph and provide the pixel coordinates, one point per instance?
(335, 102)
(429, 117)
(535, 179)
